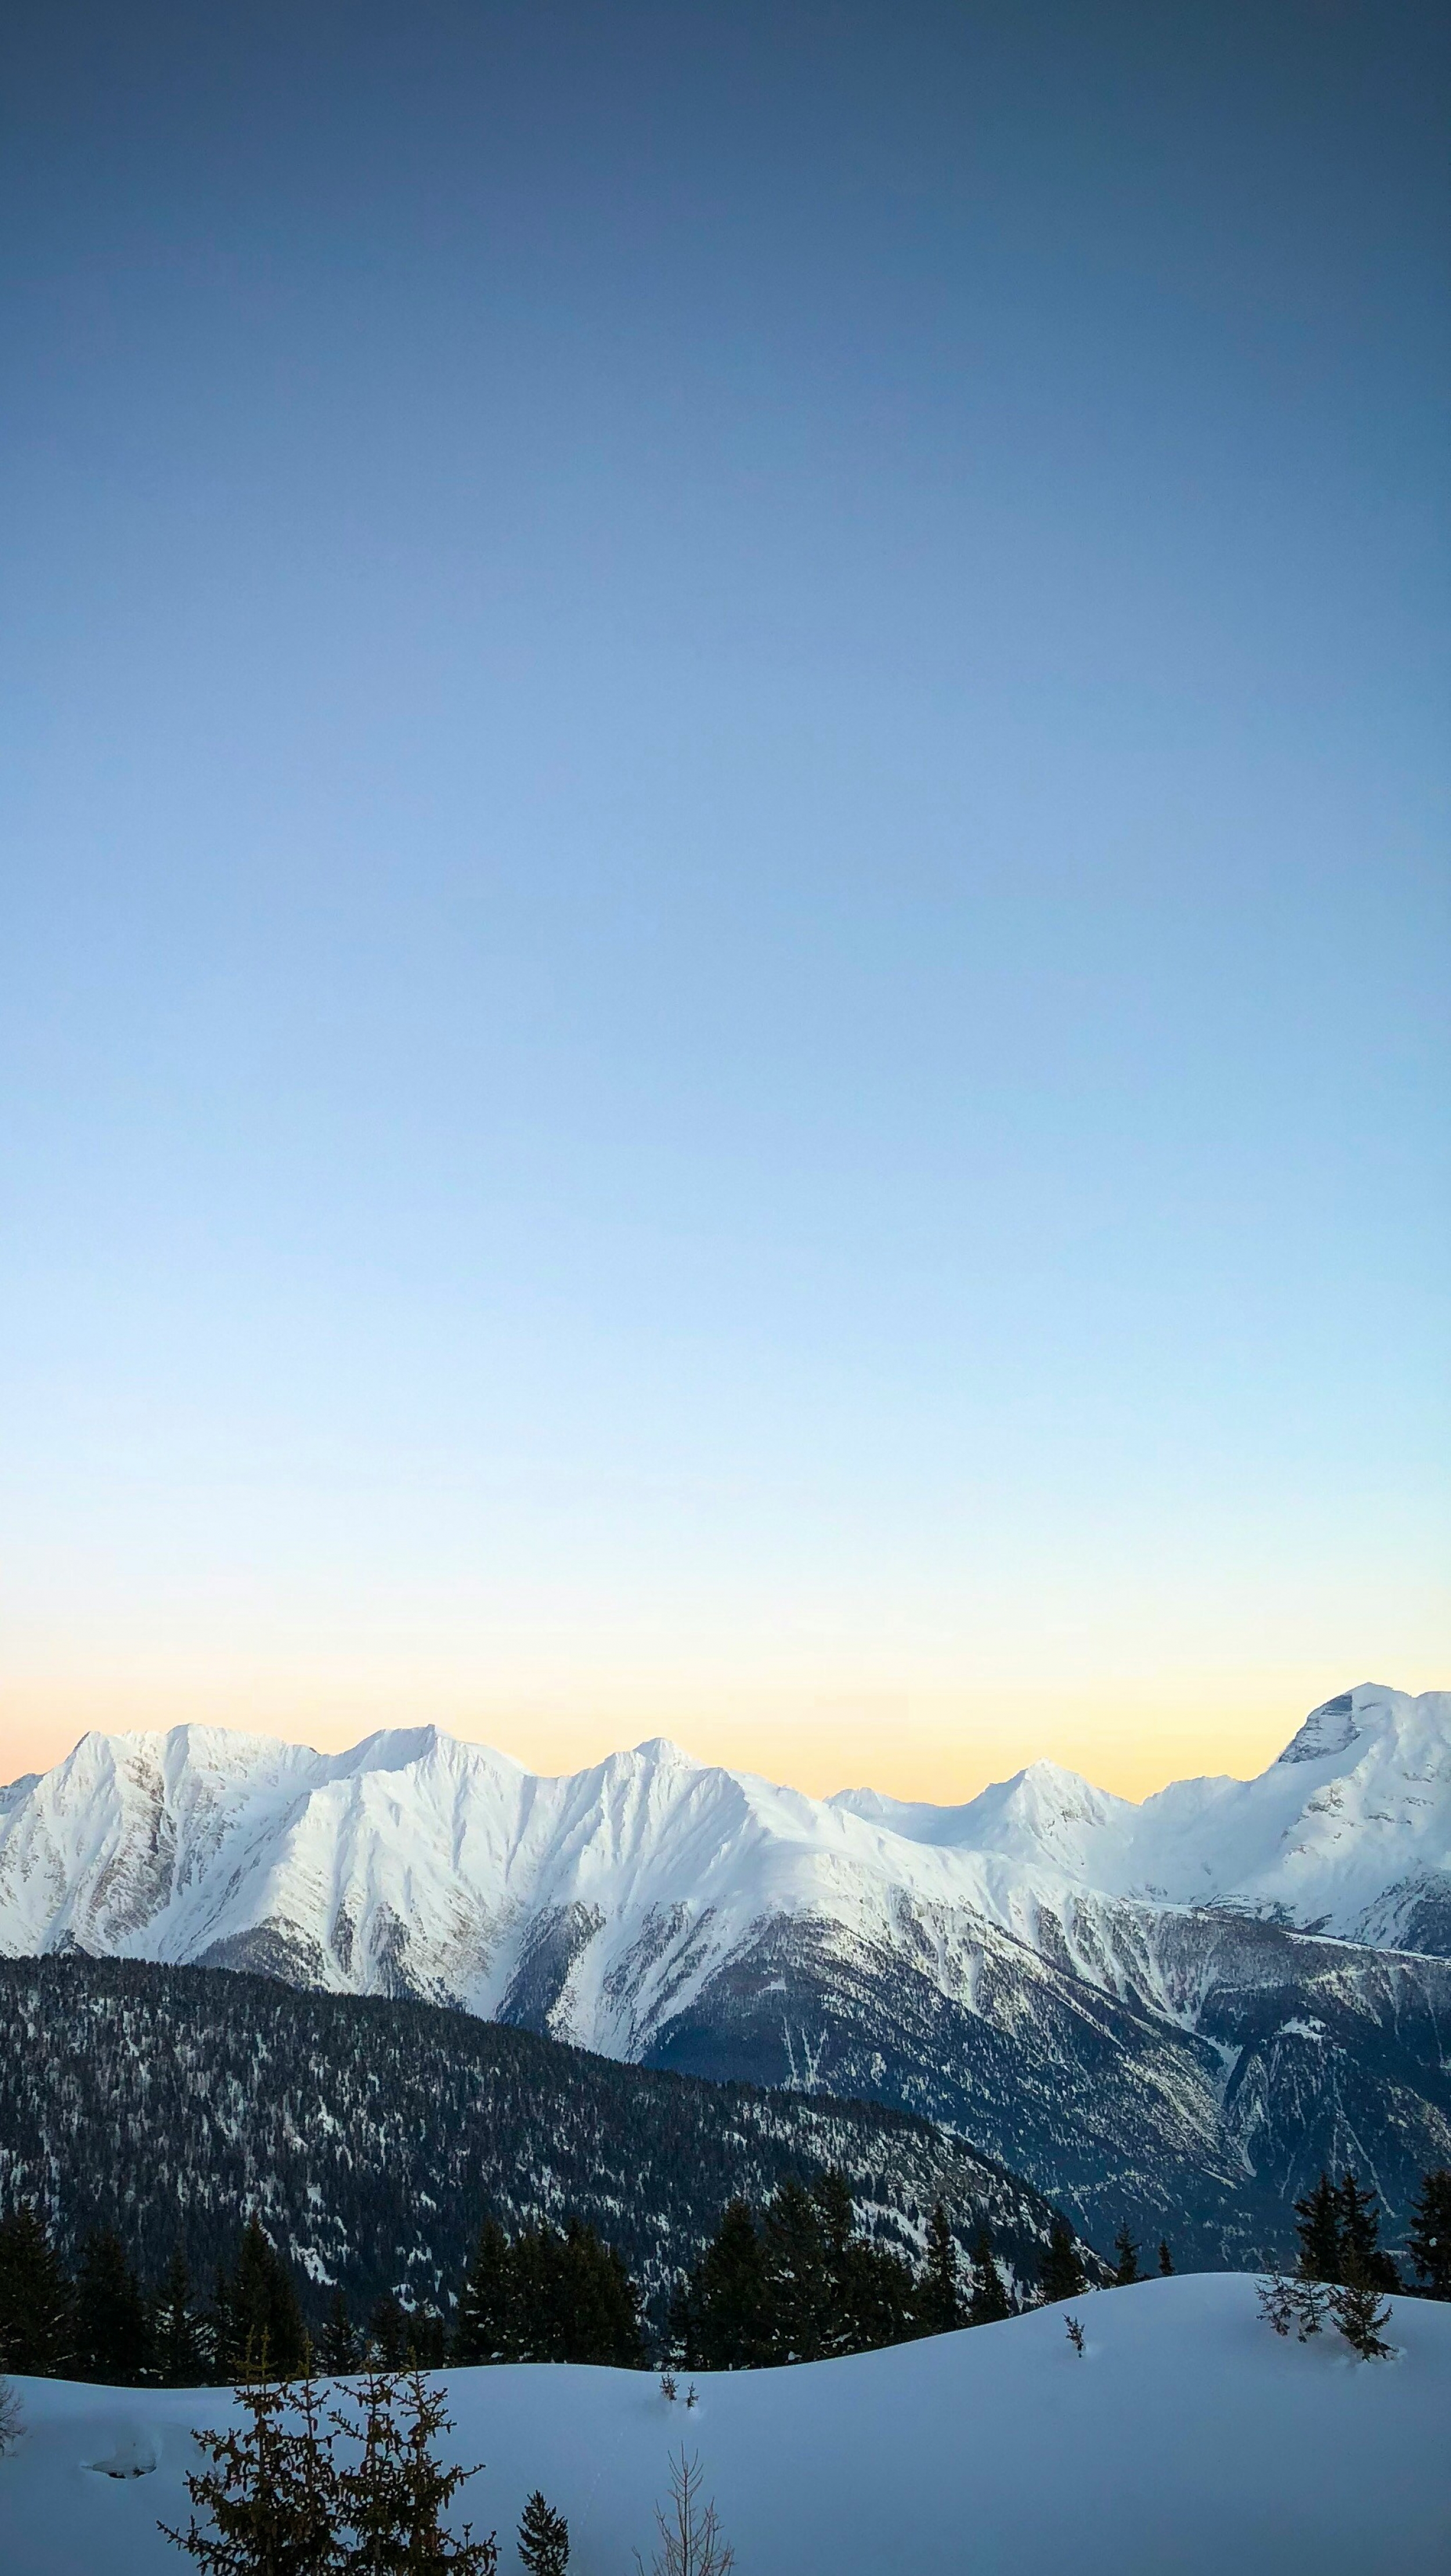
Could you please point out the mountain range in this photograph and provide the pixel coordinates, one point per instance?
(1174, 2011)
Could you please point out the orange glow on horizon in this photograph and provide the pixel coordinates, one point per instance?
(935, 1745)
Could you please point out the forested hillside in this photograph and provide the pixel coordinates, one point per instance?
(374, 2136)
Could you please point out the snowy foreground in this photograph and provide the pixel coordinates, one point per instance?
(1187, 2438)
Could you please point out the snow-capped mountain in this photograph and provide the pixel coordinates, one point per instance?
(1349, 1832)
(1110, 1998)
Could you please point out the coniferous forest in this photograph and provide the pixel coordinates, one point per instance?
(149, 2114)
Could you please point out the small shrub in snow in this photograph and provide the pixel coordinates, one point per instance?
(668, 2385)
(691, 2397)
(9, 2418)
(1075, 2334)
(690, 2535)
(1277, 2302)
(1360, 2312)
(1312, 2306)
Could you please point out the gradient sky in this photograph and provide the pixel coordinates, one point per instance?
(725, 931)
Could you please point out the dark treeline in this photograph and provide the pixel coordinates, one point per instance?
(799, 2284)
(553, 2295)
(1338, 2226)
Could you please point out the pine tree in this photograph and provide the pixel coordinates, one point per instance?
(1360, 2311)
(1060, 2271)
(1277, 2303)
(798, 2281)
(37, 2304)
(849, 2319)
(543, 2539)
(176, 2344)
(1166, 2260)
(990, 2302)
(389, 2339)
(271, 2494)
(394, 2500)
(1312, 2305)
(939, 2299)
(1126, 2271)
(1361, 2254)
(727, 2315)
(261, 2312)
(487, 2326)
(339, 2346)
(597, 2302)
(112, 2337)
(1317, 2224)
(1430, 2237)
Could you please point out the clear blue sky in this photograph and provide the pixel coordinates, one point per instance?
(725, 932)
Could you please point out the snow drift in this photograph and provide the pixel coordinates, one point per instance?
(1188, 2438)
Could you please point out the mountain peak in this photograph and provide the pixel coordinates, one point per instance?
(1330, 1728)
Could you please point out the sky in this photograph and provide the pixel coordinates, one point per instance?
(723, 877)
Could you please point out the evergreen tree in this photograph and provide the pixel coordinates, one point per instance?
(1126, 2270)
(1430, 2237)
(1360, 2311)
(1361, 2254)
(218, 2333)
(798, 2279)
(1060, 2270)
(1277, 2303)
(543, 2539)
(395, 2498)
(1312, 2305)
(389, 2336)
(876, 2299)
(37, 2305)
(112, 2337)
(939, 2298)
(726, 2313)
(271, 2494)
(1166, 2259)
(1317, 2224)
(849, 2318)
(176, 2342)
(550, 2296)
(339, 2345)
(487, 2328)
(261, 2315)
(990, 2302)
(597, 2302)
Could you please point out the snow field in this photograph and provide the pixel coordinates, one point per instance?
(1189, 2441)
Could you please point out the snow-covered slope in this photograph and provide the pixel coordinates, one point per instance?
(1102, 1995)
(1187, 2437)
